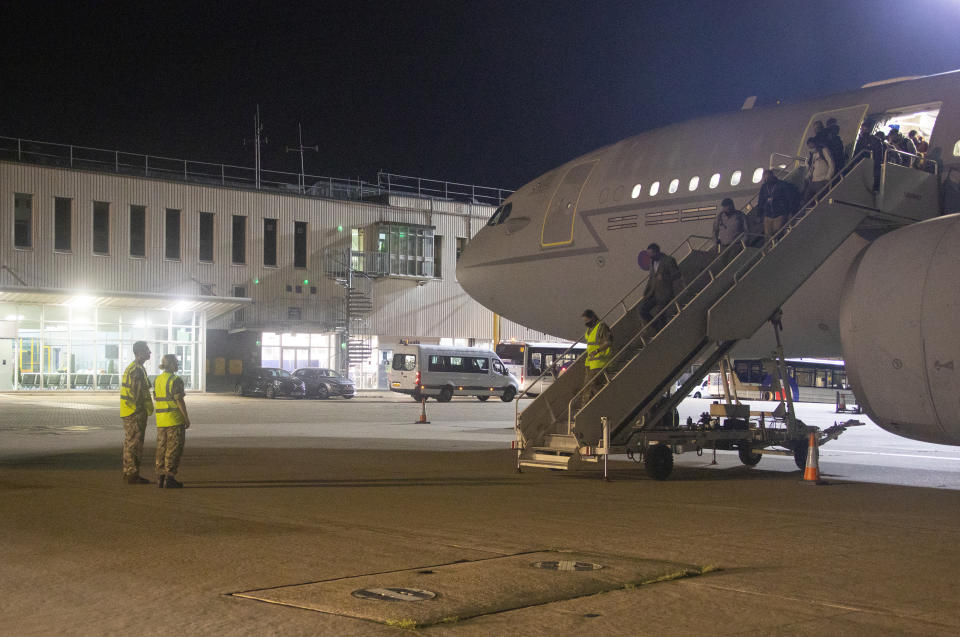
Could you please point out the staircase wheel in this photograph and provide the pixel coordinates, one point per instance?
(508, 394)
(747, 455)
(800, 450)
(659, 461)
(445, 395)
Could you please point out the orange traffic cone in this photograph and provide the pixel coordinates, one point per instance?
(423, 413)
(811, 473)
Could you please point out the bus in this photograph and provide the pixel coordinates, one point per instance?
(528, 360)
(812, 380)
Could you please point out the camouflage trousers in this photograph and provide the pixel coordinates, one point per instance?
(134, 427)
(592, 383)
(170, 441)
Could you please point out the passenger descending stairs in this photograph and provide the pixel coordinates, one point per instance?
(728, 298)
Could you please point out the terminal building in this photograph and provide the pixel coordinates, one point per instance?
(226, 267)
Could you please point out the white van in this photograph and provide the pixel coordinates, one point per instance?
(442, 372)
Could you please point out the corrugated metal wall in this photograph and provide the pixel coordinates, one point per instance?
(401, 307)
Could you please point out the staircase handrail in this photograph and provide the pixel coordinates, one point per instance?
(740, 243)
(619, 303)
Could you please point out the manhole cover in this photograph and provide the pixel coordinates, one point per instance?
(394, 594)
(567, 565)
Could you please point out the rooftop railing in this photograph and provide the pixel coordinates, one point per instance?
(198, 172)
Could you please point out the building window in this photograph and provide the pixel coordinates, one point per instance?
(138, 231)
(172, 234)
(437, 256)
(62, 224)
(239, 291)
(22, 220)
(461, 246)
(206, 237)
(269, 242)
(408, 249)
(299, 244)
(101, 227)
(239, 249)
(293, 313)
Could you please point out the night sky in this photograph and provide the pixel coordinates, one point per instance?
(491, 93)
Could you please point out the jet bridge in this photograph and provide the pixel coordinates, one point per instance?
(729, 297)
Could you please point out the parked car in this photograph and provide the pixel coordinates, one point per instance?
(269, 382)
(323, 383)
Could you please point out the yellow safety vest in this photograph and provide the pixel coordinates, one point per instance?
(128, 402)
(602, 357)
(168, 413)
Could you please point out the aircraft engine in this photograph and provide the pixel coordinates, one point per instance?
(898, 326)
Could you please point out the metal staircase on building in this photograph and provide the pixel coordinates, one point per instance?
(728, 298)
(354, 320)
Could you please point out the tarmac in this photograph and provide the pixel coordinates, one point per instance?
(345, 518)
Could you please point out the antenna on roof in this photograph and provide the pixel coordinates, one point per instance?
(300, 149)
(257, 130)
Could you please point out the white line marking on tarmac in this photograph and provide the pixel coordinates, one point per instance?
(881, 453)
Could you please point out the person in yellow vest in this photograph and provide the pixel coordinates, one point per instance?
(172, 422)
(599, 342)
(135, 407)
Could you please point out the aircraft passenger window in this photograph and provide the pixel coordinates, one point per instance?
(735, 178)
(956, 149)
(654, 188)
(757, 175)
(674, 185)
(715, 180)
(636, 191)
(694, 184)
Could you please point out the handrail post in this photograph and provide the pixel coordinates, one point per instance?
(223, 179)
(185, 170)
(19, 149)
(116, 161)
(71, 155)
(146, 165)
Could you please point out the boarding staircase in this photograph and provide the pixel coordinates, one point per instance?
(728, 298)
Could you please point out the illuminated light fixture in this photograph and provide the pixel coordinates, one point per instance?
(13, 317)
(81, 301)
(306, 281)
(339, 228)
(256, 281)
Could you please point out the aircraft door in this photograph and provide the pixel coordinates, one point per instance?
(561, 213)
(848, 119)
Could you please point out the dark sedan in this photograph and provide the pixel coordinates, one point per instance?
(269, 382)
(324, 383)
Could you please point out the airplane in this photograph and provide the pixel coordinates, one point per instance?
(885, 302)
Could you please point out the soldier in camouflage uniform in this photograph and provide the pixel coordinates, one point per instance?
(172, 422)
(135, 407)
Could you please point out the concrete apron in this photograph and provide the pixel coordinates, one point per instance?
(451, 592)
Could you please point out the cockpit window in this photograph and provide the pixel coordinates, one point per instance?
(507, 209)
(500, 215)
